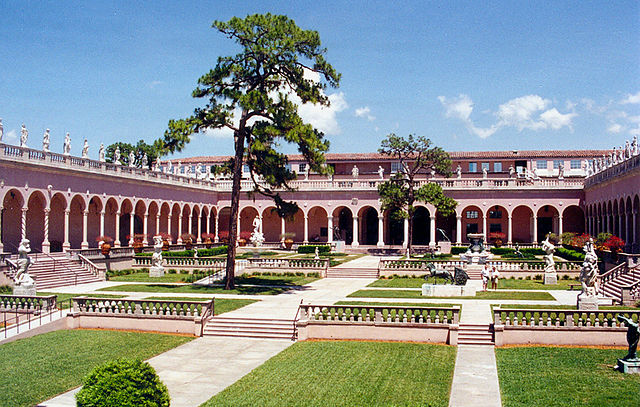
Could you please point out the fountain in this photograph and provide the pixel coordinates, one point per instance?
(477, 252)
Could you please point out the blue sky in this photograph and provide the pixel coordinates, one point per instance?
(469, 75)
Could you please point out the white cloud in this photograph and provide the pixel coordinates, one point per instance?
(324, 118)
(222, 133)
(365, 112)
(556, 120)
(11, 136)
(634, 119)
(634, 99)
(154, 84)
(635, 131)
(460, 107)
(518, 112)
(615, 128)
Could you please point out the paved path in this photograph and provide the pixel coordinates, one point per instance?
(475, 378)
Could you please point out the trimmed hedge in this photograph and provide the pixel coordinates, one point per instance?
(458, 249)
(124, 382)
(190, 253)
(311, 248)
(536, 251)
(501, 251)
(569, 254)
(214, 251)
(525, 256)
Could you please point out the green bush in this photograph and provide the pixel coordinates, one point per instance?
(536, 251)
(501, 251)
(525, 256)
(311, 248)
(569, 254)
(123, 382)
(458, 249)
(214, 251)
(6, 289)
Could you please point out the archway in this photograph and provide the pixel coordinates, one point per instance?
(110, 211)
(368, 230)
(56, 222)
(76, 221)
(547, 221)
(317, 224)
(12, 220)
(295, 226)
(126, 208)
(35, 220)
(445, 227)
(421, 226)
(223, 224)
(247, 215)
(497, 223)
(394, 227)
(93, 221)
(522, 224)
(165, 211)
(271, 225)
(175, 222)
(153, 212)
(343, 224)
(472, 221)
(573, 219)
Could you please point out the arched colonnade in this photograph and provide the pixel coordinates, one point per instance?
(617, 216)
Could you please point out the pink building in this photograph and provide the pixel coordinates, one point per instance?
(59, 201)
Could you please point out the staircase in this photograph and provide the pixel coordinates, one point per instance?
(250, 328)
(613, 287)
(345, 272)
(57, 270)
(475, 334)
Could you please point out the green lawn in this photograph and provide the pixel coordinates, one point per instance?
(481, 295)
(222, 305)
(63, 298)
(514, 284)
(194, 289)
(347, 374)
(35, 369)
(285, 280)
(409, 282)
(547, 376)
(144, 277)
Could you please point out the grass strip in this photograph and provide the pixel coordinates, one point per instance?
(347, 374)
(35, 369)
(195, 289)
(551, 376)
(481, 295)
(222, 305)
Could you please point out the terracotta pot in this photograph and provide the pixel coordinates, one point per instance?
(137, 247)
(165, 245)
(242, 242)
(208, 243)
(188, 244)
(288, 243)
(105, 248)
(498, 242)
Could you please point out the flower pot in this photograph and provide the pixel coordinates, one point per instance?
(498, 242)
(242, 242)
(188, 244)
(137, 247)
(105, 248)
(208, 243)
(288, 243)
(165, 245)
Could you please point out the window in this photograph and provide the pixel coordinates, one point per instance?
(557, 163)
(302, 167)
(495, 214)
(576, 164)
(485, 166)
(473, 167)
(472, 214)
(495, 228)
(497, 167)
(395, 167)
(541, 164)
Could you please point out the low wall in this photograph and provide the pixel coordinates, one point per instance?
(190, 326)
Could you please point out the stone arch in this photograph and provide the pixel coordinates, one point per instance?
(204, 217)
(12, 204)
(609, 216)
(165, 212)
(498, 222)
(394, 228)
(368, 226)
(223, 223)
(213, 220)
(522, 224)
(36, 204)
(547, 218)
(57, 206)
(615, 216)
(295, 225)
(176, 218)
(193, 227)
(472, 221)
(445, 227)
(343, 224)
(573, 219)
(421, 226)
(126, 209)
(318, 222)
(76, 207)
(93, 220)
(110, 218)
(271, 224)
(153, 227)
(247, 215)
(184, 219)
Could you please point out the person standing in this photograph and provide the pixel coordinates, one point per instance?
(495, 276)
(485, 277)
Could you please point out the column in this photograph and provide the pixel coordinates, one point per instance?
(23, 223)
(85, 243)
(458, 229)
(282, 229)
(179, 228)
(380, 231)
(432, 231)
(535, 229)
(1, 245)
(215, 228)
(306, 229)
(189, 227)
(633, 229)
(199, 238)
(158, 222)
(145, 228)
(484, 226)
(131, 221)
(45, 243)
(559, 225)
(208, 223)
(66, 244)
(620, 226)
(329, 229)
(116, 242)
(169, 227)
(405, 238)
(355, 242)
(510, 230)
(102, 213)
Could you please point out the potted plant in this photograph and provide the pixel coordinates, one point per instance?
(166, 241)
(104, 243)
(287, 240)
(207, 239)
(497, 238)
(187, 239)
(138, 244)
(224, 237)
(244, 238)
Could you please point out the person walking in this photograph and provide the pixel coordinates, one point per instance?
(485, 277)
(495, 276)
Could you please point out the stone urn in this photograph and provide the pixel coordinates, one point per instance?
(288, 243)
(105, 249)
(242, 242)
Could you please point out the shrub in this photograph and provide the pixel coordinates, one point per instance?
(525, 256)
(527, 278)
(500, 251)
(568, 254)
(458, 249)
(123, 382)
(311, 248)
(214, 251)
(6, 289)
(614, 243)
(565, 277)
(536, 251)
(537, 277)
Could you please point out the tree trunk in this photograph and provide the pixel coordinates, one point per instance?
(235, 203)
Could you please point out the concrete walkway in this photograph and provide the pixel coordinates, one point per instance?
(475, 378)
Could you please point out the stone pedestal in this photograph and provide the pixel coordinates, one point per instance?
(156, 272)
(434, 290)
(551, 278)
(628, 366)
(25, 290)
(587, 303)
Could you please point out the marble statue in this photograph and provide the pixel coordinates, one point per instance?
(157, 269)
(589, 273)
(549, 248)
(46, 141)
(66, 147)
(561, 171)
(24, 135)
(512, 171)
(156, 166)
(534, 173)
(433, 173)
(145, 161)
(187, 171)
(169, 168)
(355, 171)
(380, 172)
(458, 171)
(484, 172)
(132, 159)
(614, 156)
(257, 238)
(23, 283)
(101, 153)
(198, 172)
(116, 156)
(85, 149)
(316, 255)
(176, 170)
(634, 144)
(627, 150)
(1, 130)
(208, 172)
(633, 335)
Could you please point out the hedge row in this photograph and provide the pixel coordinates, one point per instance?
(458, 249)
(501, 251)
(311, 248)
(569, 254)
(190, 253)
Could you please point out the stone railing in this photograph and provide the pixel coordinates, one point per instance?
(523, 265)
(204, 262)
(96, 253)
(560, 326)
(147, 315)
(418, 265)
(607, 277)
(298, 264)
(380, 314)
(98, 271)
(614, 171)
(28, 303)
(502, 265)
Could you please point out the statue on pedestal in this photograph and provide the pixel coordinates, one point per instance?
(23, 283)
(156, 166)
(458, 171)
(145, 161)
(561, 171)
(380, 172)
(157, 269)
(101, 153)
(589, 273)
(634, 145)
(176, 170)
(549, 248)
(24, 135)
(632, 338)
(484, 172)
(116, 156)
(512, 171)
(257, 238)
(46, 141)
(85, 149)
(66, 147)
(355, 171)
(132, 159)
(627, 150)
(169, 168)
(198, 172)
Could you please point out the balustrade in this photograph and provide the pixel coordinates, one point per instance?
(28, 303)
(399, 315)
(502, 265)
(144, 308)
(560, 317)
(289, 263)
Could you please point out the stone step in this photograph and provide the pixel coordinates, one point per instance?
(250, 328)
